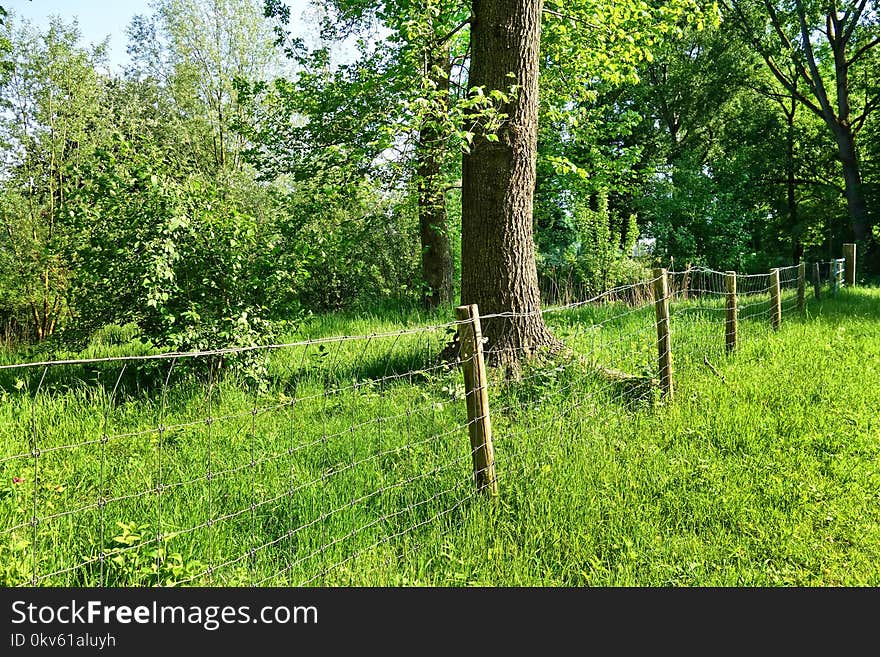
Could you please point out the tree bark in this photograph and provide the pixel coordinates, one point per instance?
(791, 179)
(852, 178)
(498, 183)
(433, 219)
(845, 136)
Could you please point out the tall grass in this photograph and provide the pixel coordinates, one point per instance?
(352, 465)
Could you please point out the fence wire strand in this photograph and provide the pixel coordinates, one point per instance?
(330, 460)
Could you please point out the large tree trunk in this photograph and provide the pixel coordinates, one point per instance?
(433, 220)
(791, 186)
(852, 177)
(846, 140)
(498, 183)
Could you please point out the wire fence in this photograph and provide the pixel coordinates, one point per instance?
(342, 461)
(829, 275)
(701, 300)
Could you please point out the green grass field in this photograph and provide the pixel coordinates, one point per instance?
(352, 466)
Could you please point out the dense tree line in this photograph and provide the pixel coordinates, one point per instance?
(236, 176)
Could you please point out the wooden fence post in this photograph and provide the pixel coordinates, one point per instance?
(801, 287)
(686, 283)
(775, 300)
(664, 343)
(817, 283)
(477, 396)
(849, 254)
(836, 276)
(730, 323)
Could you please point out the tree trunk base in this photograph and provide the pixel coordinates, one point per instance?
(510, 341)
(510, 347)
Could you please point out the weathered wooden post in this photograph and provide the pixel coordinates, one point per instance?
(817, 282)
(836, 275)
(686, 283)
(801, 288)
(730, 322)
(849, 255)
(470, 336)
(664, 342)
(775, 300)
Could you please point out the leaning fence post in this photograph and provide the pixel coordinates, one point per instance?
(817, 283)
(686, 282)
(801, 289)
(470, 336)
(730, 323)
(775, 300)
(664, 343)
(849, 254)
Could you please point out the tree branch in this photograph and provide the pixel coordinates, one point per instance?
(446, 37)
(861, 51)
(853, 20)
(818, 86)
(574, 19)
(777, 25)
(832, 26)
(789, 84)
(870, 106)
(766, 90)
(786, 42)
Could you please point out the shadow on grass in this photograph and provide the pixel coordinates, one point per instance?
(178, 379)
(333, 367)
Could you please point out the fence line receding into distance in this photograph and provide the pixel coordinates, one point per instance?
(351, 454)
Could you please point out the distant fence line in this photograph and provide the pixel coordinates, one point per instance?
(329, 472)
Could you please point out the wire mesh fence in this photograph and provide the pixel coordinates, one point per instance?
(344, 457)
(829, 275)
(122, 475)
(605, 370)
(713, 311)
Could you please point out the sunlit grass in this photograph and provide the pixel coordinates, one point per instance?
(352, 465)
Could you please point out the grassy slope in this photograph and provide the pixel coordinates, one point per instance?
(767, 476)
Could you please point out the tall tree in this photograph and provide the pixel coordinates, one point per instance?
(498, 181)
(826, 43)
(197, 49)
(51, 113)
(594, 41)
(408, 76)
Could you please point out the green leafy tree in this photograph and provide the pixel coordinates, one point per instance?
(498, 172)
(191, 260)
(394, 112)
(816, 50)
(693, 96)
(197, 49)
(363, 227)
(712, 158)
(51, 116)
